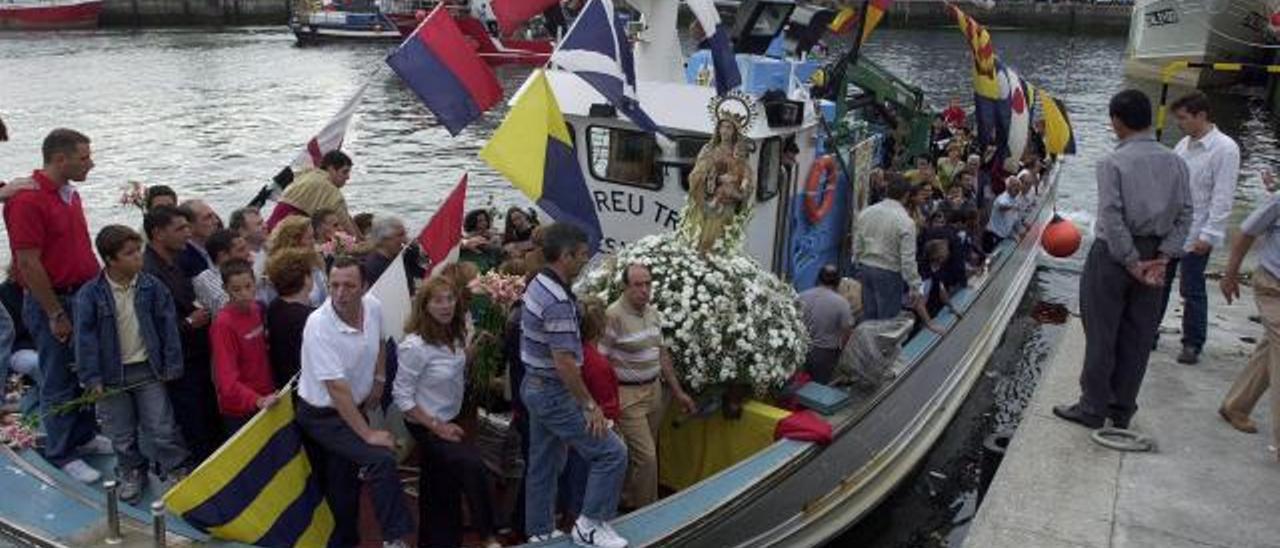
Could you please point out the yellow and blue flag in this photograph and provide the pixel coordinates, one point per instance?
(257, 488)
(534, 150)
(1059, 137)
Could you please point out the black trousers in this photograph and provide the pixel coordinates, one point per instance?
(449, 471)
(821, 362)
(1121, 317)
(346, 459)
(195, 407)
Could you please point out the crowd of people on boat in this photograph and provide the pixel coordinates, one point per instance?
(191, 326)
(924, 233)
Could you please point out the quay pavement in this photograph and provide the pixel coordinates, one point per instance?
(1206, 485)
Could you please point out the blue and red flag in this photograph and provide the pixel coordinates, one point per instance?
(442, 68)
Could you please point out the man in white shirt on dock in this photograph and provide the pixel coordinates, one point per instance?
(1214, 161)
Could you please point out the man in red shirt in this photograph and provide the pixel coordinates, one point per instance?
(53, 257)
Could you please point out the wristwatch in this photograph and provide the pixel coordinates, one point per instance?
(589, 407)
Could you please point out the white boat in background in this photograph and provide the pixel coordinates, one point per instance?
(1223, 31)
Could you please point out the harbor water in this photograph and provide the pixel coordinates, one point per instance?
(216, 113)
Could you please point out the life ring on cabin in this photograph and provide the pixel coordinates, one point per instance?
(815, 210)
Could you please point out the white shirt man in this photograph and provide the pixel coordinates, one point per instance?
(1213, 160)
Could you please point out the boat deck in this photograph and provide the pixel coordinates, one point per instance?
(1207, 485)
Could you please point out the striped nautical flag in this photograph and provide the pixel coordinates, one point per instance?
(257, 488)
(1014, 114)
(596, 49)
(875, 12)
(533, 149)
(991, 115)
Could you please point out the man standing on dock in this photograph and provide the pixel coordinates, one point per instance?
(1213, 159)
(1263, 371)
(1144, 213)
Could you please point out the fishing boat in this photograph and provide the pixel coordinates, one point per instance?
(49, 14)
(768, 492)
(1228, 31)
(395, 20)
(356, 21)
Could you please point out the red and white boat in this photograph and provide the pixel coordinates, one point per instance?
(49, 14)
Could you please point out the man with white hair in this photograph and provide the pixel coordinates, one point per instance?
(204, 222)
(388, 236)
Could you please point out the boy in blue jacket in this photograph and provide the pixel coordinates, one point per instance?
(126, 336)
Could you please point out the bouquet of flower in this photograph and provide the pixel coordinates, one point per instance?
(14, 434)
(135, 194)
(726, 320)
(493, 294)
(341, 244)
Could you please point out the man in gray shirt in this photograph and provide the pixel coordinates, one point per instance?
(1263, 371)
(829, 320)
(1144, 213)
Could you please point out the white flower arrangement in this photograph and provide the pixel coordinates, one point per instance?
(726, 320)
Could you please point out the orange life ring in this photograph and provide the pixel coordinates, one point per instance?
(815, 211)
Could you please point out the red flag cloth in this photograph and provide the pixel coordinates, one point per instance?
(804, 426)
(513, 13)
(441, 237)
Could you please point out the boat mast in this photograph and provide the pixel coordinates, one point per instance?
(657, 50)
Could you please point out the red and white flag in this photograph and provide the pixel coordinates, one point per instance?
(331, 135)
(330, 138)
(441, 239)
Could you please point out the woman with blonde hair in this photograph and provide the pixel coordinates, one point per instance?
(429, 388)
(296, 232)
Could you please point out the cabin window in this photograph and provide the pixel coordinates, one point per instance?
(687, 149)
(624, 156)
(770, 169)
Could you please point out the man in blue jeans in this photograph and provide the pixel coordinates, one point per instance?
(53, 257)
(1213, 159)
(561, 410)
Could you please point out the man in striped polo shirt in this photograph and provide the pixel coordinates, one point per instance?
(633, 343)
(561, 410)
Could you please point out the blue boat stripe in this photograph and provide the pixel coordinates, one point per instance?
(228, 503)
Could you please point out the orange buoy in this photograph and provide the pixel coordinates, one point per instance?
(1061, 238)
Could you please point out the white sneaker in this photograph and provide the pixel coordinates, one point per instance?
(588, 532)
(554, 534)
(81, 472)
(394, 544)
(99, 445)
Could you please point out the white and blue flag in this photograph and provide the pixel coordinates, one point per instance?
(722, 59)
(596, 49)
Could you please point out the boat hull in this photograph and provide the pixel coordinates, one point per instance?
(1163, 31)
(50, 15)
(320, 27)
(818, 492)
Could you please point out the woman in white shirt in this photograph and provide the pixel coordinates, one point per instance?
(428, 389)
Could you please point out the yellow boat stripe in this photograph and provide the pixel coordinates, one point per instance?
(272, 501)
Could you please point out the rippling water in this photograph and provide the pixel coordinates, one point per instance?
(214, 113)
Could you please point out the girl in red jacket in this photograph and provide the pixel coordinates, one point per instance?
(241, 372)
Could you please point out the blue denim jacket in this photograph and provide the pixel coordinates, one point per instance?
(98, 344)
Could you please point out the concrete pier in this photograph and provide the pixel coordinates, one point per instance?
(1207, 485)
